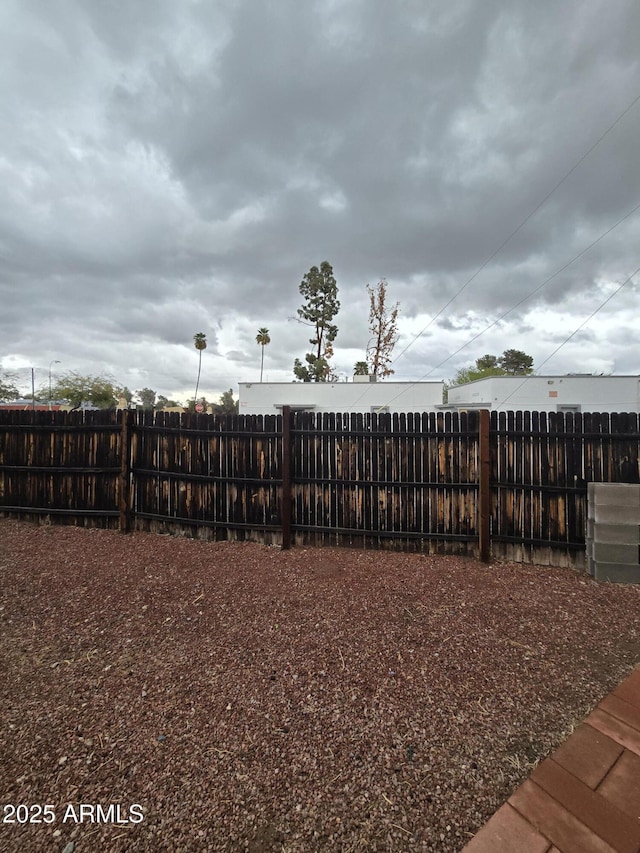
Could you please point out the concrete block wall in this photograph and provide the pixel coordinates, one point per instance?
(613, 532)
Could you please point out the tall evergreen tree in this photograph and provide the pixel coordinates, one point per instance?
(320, 292)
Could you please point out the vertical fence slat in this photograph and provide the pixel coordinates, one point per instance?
(125, 471)
(484, 490)
(285, 468)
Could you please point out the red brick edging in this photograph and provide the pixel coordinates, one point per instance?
(585, 798)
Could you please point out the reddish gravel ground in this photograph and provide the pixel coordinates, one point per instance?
(247, 698)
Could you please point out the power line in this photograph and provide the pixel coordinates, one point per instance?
(521, 301)
(516, 230)
(575, 331)
(533, 292)
(522, 224)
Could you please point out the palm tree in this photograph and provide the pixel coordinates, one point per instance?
(263, 339)
(200, 343)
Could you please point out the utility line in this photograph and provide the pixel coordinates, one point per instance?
(575, 332)
(523, 300)
(521, 225)
(533, 292)
(513, 233)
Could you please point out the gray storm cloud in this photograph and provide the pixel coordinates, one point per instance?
(172, 168)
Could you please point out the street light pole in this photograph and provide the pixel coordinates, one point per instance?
(55, 361)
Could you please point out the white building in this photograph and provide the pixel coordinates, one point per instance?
(360, 396)
(571, 393)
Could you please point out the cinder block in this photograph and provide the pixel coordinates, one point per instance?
(618, 494)
(624, 534)
(617, 573)
(610, 514)
(612, 552)
(591, 566)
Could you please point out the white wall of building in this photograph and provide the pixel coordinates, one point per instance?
(549, 394)
(268, 398)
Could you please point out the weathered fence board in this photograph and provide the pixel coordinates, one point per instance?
(383, 480)
(62, 466)
(541, 464)
(513, 484)
(221, 474)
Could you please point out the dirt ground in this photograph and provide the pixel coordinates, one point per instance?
(168, 694)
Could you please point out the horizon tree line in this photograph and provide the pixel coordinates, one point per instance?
(320, 306)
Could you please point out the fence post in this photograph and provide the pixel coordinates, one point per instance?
(286, 477)
(125, 471)
(484, 498)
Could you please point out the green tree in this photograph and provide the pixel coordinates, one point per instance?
(263, 339)
(470, 374)
(200, 343)
(361, 368)
(76, 390)
(163, 402)
(487, 362)
(8, 390)
(512, 362)
(384, 330)
(147, 397)
(315, 370)
(227, 405)
(320, 293)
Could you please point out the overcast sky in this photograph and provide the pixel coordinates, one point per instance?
(176, 166)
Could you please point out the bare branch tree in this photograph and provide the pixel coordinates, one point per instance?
(384, 330)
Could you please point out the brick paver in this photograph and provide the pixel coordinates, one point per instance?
(585, 798)
(614, 728)
(629, 690)
(589, 807)
(621, 785)
(589, 755)
(616, 707)
(509, 832)
(555, 822)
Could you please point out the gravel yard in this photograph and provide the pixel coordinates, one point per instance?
(230, 696)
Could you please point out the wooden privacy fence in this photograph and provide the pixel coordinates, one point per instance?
(512, 484)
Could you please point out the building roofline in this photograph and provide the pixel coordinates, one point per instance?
(552, 376)
(382, 383)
